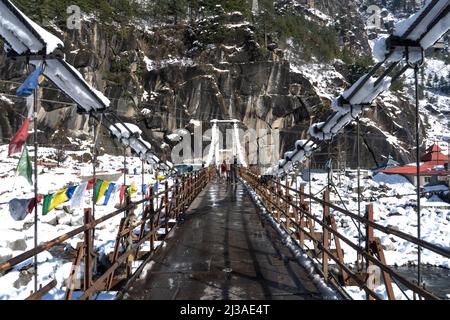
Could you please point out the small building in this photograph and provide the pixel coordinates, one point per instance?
(388, 163)
(433, 168)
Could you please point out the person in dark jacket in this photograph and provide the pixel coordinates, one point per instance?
(233, 171)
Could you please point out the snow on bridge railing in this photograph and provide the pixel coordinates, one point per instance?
(410, 39)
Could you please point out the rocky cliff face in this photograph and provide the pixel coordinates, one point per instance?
(160, 79)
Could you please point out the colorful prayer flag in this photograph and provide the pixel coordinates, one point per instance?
(70, 191)
(59, 198)
(47, 202)
(91, 183)
(19, 139)
(32, 201)
(24, 167)
(131, 189)
(97, 186)
(18, 208)
(108, 193)
(78, 196)
(30, 83)
(123, 189)
(116, 191)
(102, 190)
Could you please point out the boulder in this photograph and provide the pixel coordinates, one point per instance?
(24, 278)
(17, 245)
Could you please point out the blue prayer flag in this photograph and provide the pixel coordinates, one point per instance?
(31, 83)
(70, 191)
(144, 188)
(155, 187)
(108, 193)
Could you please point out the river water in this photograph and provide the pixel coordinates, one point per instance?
(437, 280)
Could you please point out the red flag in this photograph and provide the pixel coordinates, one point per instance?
(122, 193)
(31, 203)
(19, 138)
(91, 183)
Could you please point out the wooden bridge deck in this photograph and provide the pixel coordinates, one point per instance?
(222, 250)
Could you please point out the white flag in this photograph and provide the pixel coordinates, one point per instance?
(78, 196)
(30, 105)
(116, 193)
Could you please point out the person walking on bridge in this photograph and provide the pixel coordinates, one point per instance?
(223, 170)
(233, 171)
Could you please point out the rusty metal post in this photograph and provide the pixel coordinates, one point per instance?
(87, 250)
(288, 204)
(274, 196)
(166, 206)
(177, 198)
(191, 184)
(379, 252)
(369, 240)
(115, 255)
(339, 251)
(152, 219)
(288, 212)
(187, 190)
(302, 216)
(142, 231)
(183, 195)
(74, 272)
(325, 233)
(369, 229)
(277, 200)
(39, 294)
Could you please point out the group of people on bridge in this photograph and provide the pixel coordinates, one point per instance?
(228, 171)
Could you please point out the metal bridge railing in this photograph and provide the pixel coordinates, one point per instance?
(156, 215)
(290, 209)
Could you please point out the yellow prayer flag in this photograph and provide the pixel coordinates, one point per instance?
(59, 198)
(133, 189)
(161, 178)
(102, 190)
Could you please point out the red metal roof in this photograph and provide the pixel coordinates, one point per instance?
(434, 157)
(425, 169)
(434, 154)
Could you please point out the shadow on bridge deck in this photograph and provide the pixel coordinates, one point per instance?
(223, 251)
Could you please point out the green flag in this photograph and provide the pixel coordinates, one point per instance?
(24, 167)
(46, 204)
(97, 186)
